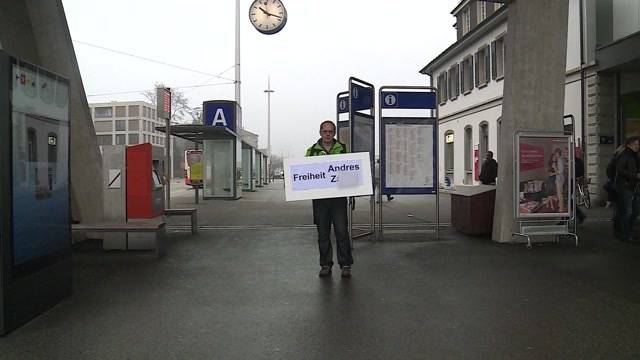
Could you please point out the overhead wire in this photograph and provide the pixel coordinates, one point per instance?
(154, 60)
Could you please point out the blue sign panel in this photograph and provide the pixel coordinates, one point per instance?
(408, 100)
(362, 97)
(220, 114)
(343, 105)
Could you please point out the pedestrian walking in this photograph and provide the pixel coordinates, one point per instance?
(626, 185)
(332, 211)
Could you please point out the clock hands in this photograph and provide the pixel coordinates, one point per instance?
(269, 14)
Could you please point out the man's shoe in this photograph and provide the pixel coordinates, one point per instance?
(346, 271)
(325, 271)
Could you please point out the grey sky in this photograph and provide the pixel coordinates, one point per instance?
(385, 42)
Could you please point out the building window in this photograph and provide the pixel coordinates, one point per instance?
(484, 141)
(448, 155)
(121, 111)
(482, 11)
(454, 81)
(468, 148)
(134, 139)
(134, 125)
(145, 111)
(497, 58)
(104, 112)
(482, 66)
(121, 125)
(121, 139)
(466, 21)
(134, 110)
(103, 126)
(466, 74)
(153, 114)
(105, 140)
(442, 87)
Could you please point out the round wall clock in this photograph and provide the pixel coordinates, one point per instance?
(268, 16)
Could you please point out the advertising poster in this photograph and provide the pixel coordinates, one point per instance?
(544, 171)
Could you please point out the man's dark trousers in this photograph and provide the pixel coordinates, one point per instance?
(327, 212)
(628, 210)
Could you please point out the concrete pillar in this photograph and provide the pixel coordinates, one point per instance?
(536, 48)
(37, 31)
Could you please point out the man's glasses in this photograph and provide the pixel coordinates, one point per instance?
(327, 131)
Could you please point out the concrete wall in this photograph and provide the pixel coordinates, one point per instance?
(37, 31)
(535, 73)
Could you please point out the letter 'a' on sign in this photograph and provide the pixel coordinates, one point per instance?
(219, 119)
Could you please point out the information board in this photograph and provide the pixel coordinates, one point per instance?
(408, 156)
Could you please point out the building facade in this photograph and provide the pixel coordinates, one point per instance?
(469, 77)
(127, 123)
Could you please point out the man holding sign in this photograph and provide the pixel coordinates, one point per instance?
(332, 210)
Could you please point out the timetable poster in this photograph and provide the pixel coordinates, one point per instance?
(409, 156)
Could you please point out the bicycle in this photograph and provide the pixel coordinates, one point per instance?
(582, 196)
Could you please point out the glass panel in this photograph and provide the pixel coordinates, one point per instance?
(134, 125)
(246, 169)
(103, 126)
(218, 168)
(134, 139)
(121, 111)
(134, 110)
(121, 125)
(104, 112)
(40, 187)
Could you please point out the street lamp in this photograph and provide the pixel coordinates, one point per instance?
(269, 91)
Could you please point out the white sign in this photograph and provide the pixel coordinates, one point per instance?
(115, 179)
(409, 156)
(330, 176)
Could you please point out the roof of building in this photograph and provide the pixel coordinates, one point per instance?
(490, 23)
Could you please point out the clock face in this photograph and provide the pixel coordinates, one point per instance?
(268, 16)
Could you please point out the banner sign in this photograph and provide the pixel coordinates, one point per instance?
(163, 102)
(544, 174)
(342, 105)
(220, 114)
(408, 100)
(331, 176)
(362, 97)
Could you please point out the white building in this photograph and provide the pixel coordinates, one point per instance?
(469, 76)
(127, 123)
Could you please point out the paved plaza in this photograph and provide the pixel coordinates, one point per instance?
(246, 287)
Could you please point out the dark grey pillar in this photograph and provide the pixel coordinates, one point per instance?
(536, 51)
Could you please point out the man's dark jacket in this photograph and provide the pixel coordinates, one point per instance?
(489, 172)
(627, 170)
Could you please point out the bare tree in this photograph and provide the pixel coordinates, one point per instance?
(181, 112)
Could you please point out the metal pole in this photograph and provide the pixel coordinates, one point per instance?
(269, 91)
(197, 187)
(237, 79)
(167, 163)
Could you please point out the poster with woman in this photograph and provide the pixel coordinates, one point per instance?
(544, 173)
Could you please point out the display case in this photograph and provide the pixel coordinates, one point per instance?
(35, 230)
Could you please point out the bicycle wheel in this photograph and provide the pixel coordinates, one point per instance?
(586, 198)
(579, 195)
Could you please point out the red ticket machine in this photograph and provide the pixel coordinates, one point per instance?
(145, 195)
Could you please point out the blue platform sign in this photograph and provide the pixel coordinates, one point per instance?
(220, 114)
(408, 100)
(362, 97)
(343, 105)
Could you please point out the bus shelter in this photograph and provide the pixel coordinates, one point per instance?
(222, 158)
(249, 175)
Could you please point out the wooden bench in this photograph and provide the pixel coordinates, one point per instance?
(185, 212)
(152, 226)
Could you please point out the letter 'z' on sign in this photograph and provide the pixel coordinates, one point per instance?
(163, 99)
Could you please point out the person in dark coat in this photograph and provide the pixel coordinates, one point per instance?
(578, 165)
(626, 184)
(489, 170)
